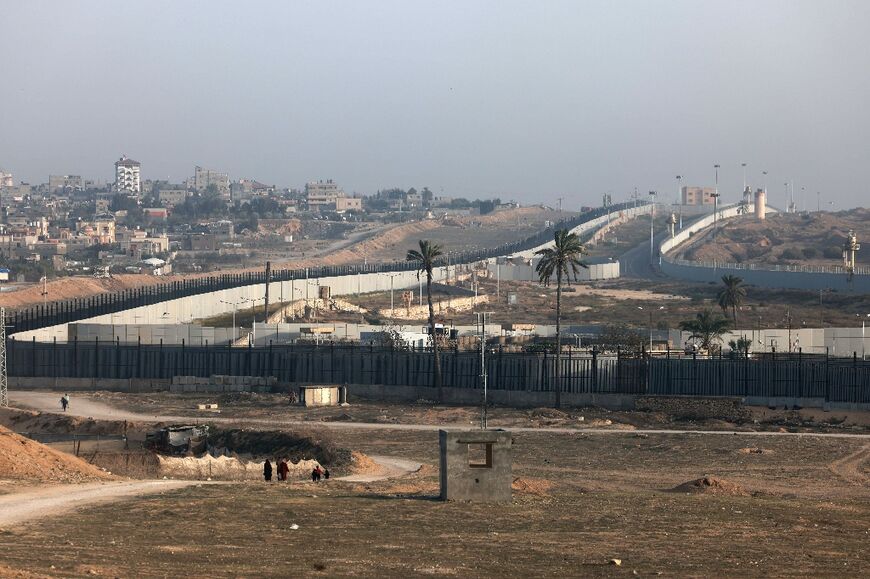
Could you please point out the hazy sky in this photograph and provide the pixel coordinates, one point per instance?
(526, 100)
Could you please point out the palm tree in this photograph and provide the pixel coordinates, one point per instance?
(731, 295)
(563, 261)
(425, 258)
(708, 327)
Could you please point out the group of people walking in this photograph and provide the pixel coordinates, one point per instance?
(283, 469)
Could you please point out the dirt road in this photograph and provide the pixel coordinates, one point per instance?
(391, 467)
(53, 500)
(48, 402)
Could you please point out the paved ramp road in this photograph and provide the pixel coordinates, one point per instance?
(51, 500)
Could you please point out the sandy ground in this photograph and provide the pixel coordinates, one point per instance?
(51, 501)
(800, 507)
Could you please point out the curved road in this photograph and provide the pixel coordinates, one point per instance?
(47, 402)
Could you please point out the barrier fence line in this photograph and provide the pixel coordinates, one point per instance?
(67, 311)
(789, 376)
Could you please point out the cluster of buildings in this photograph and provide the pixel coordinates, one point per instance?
(73, 222)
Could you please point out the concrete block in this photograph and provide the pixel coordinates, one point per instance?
(476, 465)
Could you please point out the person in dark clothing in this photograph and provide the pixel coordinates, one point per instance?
(64, 401)
(267, 470)
(283, 469)
(326, 473)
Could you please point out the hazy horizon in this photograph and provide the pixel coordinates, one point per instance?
(526, 101)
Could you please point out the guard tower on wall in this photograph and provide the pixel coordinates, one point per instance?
(850, 250)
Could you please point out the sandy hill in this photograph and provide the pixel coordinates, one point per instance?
(807, 239)
(25, 459)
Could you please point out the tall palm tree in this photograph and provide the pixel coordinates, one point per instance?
(709, 327)
(562, 261)
(425, 257)
(731, 295)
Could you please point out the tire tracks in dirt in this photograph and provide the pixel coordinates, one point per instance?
(849, 466)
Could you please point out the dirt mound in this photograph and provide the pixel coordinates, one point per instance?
(224, 468)
(272, 444)
(362, 464)
(47, 423)
(755, 450)
(73, 287)
(548, 413)
(712, 485)
(25, 459)
(532, 486)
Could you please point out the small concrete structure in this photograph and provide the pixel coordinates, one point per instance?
(319, 395)
(476, 465)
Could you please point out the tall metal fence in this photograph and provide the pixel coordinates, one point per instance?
(66, 311)
(796, 376)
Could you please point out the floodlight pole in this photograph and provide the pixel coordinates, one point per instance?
(481, 322)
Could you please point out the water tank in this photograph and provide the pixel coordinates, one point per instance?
(760, 204)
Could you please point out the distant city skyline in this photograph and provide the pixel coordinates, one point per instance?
(529, 102)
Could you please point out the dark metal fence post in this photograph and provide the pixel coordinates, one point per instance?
(827, 375)
(595, 369)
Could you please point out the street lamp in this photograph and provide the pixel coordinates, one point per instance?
(234, 304)
(680, 199)
(650, 325)
(652, 212)
(744, 175)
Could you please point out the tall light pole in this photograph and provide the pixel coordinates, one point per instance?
(481, 322)
(680, 199)
(234, 304)
(652, 212)
(818, 201)
(716, 170)
(764, 183)
(744, 175)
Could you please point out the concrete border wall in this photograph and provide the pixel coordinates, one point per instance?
(592, 225)
(187, 309)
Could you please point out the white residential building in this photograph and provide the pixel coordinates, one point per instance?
(127, 175)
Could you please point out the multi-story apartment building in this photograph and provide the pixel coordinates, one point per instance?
(202, 178)
(61, 183)
(173, 195)
(127, 177)
(322, 194)
(6, 179)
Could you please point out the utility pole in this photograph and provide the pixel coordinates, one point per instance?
(560, 204)
(481, 322)
(4, 383)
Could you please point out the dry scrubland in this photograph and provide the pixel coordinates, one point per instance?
(787, 506)
(813, 239)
